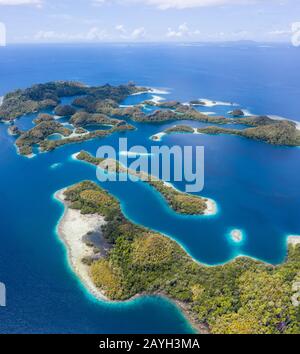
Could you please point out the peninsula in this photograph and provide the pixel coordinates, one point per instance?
(180, 202)
(218, 299)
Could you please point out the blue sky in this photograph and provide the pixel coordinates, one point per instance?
(148, 20)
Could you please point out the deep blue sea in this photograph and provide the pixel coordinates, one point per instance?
(255, 185)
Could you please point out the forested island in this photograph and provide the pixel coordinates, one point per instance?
(237, 297)
(89, 108)
(276, 133)
(100, 105)
(180, 202)
(41, 96)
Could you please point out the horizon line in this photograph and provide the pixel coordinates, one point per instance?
(150, 42)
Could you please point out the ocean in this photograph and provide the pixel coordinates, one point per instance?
(255, 185)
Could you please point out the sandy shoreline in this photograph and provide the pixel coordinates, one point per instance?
(72, 227)
(236, 235)
(158, 136)
(211, 207)
(293, 240)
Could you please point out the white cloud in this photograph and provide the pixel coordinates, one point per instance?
(122, 32)
(180, 4)
(138, 33)
(182, 31)
(183, 4)
(280, 32)
(102, 2)
(94, 34)
(121, 29)
(21, 2)
(64, 17)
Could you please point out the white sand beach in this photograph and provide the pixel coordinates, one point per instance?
(152, 90)
(272, 116)
(210, 103)
(29, 156)
(157, 137)
(293, 240)
(71, 229)
(211, 207)
(157, 99)
(236, 235)
(74, 156)
(159, 91)
(140, 93)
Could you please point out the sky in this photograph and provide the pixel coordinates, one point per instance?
(53, 21)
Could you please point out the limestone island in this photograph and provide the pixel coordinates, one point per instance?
(180, 202)
(97, 105)
(270, 131)
(101, 105)
(119, 260)
(237, 113)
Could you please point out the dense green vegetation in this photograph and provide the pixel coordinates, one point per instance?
(179, 201)
(43, 117)
(37, 97)
(185, 112)
(38, 134)
(103, 99)
(49, 145)
(97, 103)
(279, 133)
(64, 110)
(165, 104)
(198, 103)
(48, 95)
(243, 296)
(100, 105)
(81, 119)
(179, 129)
(14, 130)
(237, 113)
(80, 130)
(264, 129)
(85, 156)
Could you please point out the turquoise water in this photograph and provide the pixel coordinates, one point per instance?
(255, 185)
(54, 137)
